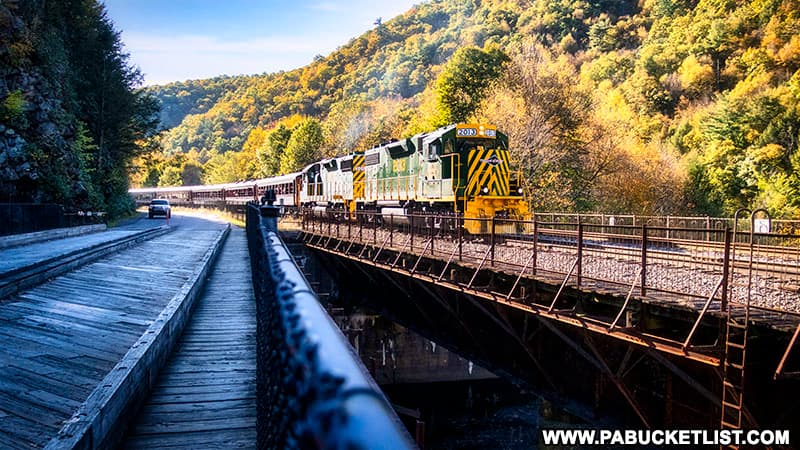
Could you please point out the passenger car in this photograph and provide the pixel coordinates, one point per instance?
(159, 206)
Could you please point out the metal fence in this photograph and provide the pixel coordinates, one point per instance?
(689, 265)
(17, 218)
(313, 392)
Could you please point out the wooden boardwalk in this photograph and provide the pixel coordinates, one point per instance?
(17, 257)
(206, 395)
(60, 339)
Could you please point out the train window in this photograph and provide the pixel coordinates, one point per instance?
(434, 149)
(331, 165)
(448, 146)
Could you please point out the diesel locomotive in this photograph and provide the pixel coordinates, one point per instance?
(457, 170)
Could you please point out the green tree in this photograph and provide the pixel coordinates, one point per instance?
(303, 147)
(463, 83)
(170, 176)
(270, 153)
(191, 174)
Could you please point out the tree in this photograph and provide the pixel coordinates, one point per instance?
(462, 84)
(558, 146)
(270, 152)
(304, 147)
(171, 176)
(191, 174)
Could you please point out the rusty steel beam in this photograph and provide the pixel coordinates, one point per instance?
(618, 382)
(779, 371)
(702, 313)
(598, 361)
(644, 340)
(478, 342)
(625, 304)
(694, 384)
(510, 330)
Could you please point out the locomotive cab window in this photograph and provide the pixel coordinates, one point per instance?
(434, 149)
(448, 147)
(466, 146)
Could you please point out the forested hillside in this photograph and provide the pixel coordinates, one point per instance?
(651, 106)
(70, 119)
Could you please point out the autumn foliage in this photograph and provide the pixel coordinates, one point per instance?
(650, 107)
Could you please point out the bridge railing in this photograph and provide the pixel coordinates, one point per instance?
(313, 392)
(17, 218)
(688, 265)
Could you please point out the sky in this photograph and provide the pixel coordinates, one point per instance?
(176, 40)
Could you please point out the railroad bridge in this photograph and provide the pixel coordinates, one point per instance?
(198, 334)
(679, 321)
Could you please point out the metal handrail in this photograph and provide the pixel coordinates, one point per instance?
(312, 388)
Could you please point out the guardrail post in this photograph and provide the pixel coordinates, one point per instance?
(669, 234)
(644, 259)
(725, 269)
(460, 224)
(492, 241)
(580, 251)
(535, 242)
(411, 237)
(375, 229)
(391, 230)
(433, 220)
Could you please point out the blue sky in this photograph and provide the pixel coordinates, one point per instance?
(174, 40)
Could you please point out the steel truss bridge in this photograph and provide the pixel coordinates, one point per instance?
(715, 281)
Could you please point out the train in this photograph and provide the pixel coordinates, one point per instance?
(460, 170)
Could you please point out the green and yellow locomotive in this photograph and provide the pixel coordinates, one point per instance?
(458, 169)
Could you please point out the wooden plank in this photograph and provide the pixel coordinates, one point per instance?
(221, 405)
(204, 439)
(147, 421)
(159, 425)
(61, 338)
(17, 432)
(205, 397)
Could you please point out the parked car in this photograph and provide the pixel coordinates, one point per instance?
(159, 207)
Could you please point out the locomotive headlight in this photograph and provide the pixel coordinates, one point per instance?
(519, 191)
(485, 190)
